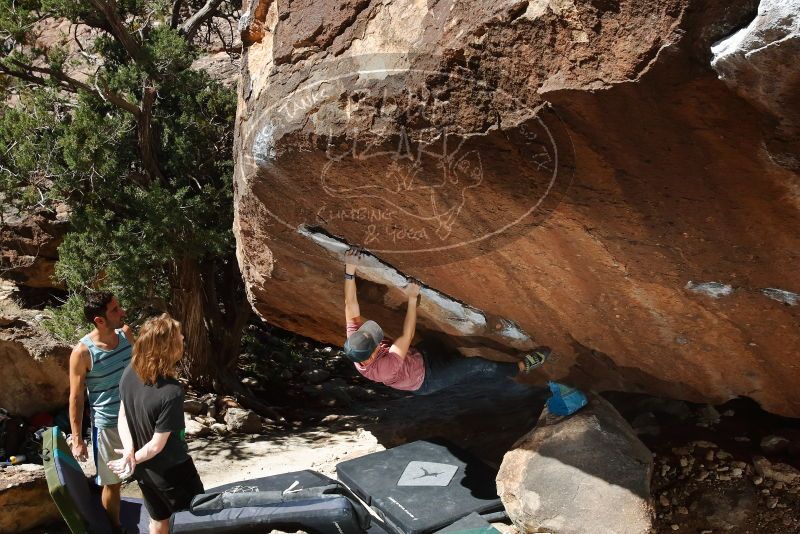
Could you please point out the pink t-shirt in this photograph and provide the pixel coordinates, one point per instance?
(389, 368)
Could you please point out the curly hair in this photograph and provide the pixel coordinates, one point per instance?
(157, 349)
(96, 305)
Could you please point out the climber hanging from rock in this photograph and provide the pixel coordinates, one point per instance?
(417, 369)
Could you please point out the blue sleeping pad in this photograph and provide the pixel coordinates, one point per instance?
(302, 500)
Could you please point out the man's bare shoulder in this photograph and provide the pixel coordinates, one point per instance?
(80, 348)
(80, 354)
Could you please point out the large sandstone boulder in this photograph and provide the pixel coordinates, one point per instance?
(35, 365)
(559, 173)
(584, 473)
(24, 499)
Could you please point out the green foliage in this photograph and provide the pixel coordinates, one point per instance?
(68, 9)
(16, 17)
(67, 322)
(168, 52)
(29, 134)
(266, 355)
(128, 227)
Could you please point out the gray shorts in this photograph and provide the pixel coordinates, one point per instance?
(104, 441)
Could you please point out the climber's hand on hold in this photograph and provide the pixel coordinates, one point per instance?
(412, 290)
(352, 259)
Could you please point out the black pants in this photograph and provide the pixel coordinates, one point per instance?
(169, 490)
(446, 367)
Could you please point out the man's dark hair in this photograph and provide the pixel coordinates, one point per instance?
(96, 305)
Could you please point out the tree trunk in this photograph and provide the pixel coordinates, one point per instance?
(187, 306)
(147, 150)
(212, 334)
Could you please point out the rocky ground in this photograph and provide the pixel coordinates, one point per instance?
(732, 468)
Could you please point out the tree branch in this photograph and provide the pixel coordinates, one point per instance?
(60, 76)
(189, 27)
(146, 148)
(117, 27)
(28, 77)
(74, 31)
(70, 84)
(176, 14)
(143, 115)
(118, 100)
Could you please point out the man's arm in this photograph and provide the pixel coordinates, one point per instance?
(78, 366)
(402, 343)
(351, 308)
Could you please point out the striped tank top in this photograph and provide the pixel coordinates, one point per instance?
(102, 381)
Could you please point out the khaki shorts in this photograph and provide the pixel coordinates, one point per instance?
(104, 441)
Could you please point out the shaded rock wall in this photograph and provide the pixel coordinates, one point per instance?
(576, 170)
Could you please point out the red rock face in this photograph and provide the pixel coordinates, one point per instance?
(566, 174)
(30, 248)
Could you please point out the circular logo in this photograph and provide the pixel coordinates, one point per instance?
(403, 156)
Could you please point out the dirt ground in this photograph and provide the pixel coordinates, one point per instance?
(223, 459)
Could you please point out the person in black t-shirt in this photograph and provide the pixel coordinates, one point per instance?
(151, 424)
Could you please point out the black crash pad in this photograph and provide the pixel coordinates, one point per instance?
(422, 486)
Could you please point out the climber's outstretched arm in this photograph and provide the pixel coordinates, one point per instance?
(402, 343)
(351, 308)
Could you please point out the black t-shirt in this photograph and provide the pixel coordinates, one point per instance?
(151, 408)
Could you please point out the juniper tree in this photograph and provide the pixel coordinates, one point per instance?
(139, 144)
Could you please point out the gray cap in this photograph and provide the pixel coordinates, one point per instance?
(363, 342)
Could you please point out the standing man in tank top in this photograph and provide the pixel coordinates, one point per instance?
(95, 367)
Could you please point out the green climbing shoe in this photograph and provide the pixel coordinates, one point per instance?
(536, 358)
